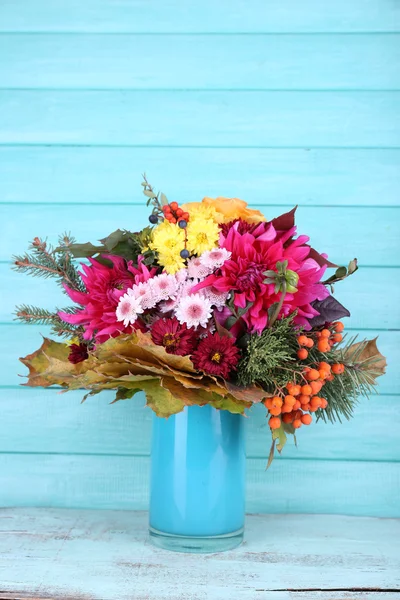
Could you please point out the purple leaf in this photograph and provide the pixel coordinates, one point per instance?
(329, 310)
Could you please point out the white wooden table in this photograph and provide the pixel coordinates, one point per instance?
(106, 555)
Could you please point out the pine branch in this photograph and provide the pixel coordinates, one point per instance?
(43, 261)
(40, 316)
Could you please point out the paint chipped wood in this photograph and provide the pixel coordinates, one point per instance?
(58, 554)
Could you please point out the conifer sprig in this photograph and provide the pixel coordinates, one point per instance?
(41, 316)
(43, 260)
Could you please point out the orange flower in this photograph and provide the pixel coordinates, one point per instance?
(229, 209)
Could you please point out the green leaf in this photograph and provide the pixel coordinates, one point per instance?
(163, 199)
(125, 394)
(279, 435)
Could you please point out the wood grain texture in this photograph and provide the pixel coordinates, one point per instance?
(199, 16)
(61, 424)
(97, 554)
(289, 486)
(264, 62)
(204, 118)
(359, 225)
(356, 293)
(326, 177)
(23, 339)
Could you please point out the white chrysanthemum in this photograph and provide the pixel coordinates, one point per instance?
(217, 298)
(128, 309)
(143, 291)
(163, 286)
(194, 310)
(215, 258)
(196, 269)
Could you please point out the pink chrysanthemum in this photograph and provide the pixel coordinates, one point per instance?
(196, 269)
(216, 355)
(194, 310)
(174, 336)
(215, 258)
(104, 287)
(144, 292)
(164, 286)
(129, 308)
(254, 253)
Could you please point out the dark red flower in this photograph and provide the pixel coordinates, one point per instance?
(216, 355)
(78, 353)
(174, 336)
(242, 226)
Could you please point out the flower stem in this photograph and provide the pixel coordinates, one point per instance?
(279, 307)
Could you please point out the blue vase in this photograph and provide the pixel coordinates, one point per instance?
(197, 495)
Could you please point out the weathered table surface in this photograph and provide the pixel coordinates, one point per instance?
(85, 554)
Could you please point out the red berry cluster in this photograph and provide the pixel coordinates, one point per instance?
(174, 214)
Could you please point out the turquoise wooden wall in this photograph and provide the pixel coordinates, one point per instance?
(280, 102)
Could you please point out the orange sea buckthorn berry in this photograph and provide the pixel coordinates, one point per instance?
(174, 205)
(325, 333)
(330, 377)
(324, 402)
(323, 345)
(337, 337)
(306, 406)
(315, 401)
(312, 375)
(275, 411)
(295, 390)
(274, 423)
(179, 212)
(316, 386)
(337, 368)
(289, 399)
(306, 389)
(318, 335)
(185, 216)
(288, 417)
(297, 423)
(277, 401)
(304, 398)
(323, 374)
(302, 340)
(310, 343)
(324, 365)
(287, 408)
(268, 403)
(339, 327)
(302, 353)
(306, 419)
(296, 405)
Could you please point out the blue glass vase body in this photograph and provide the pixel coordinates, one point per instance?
(197, 495)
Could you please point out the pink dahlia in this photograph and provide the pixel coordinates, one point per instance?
(216, 355)
(104, 287)
(174, 336)
(253, 253)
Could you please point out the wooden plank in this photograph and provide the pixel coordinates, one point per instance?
(328, 177)
(168, 118)
(248, 595)
(92, 481)
(62, 425)
(126, 16)
(23, 339)
(97, 554)
(264, 62)
(358, 225)
(368, 288)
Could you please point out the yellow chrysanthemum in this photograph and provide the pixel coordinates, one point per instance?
(202, 235)
(199, 210)
(172, 262)
(167, 241)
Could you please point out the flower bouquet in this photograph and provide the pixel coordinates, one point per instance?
(208, 310)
